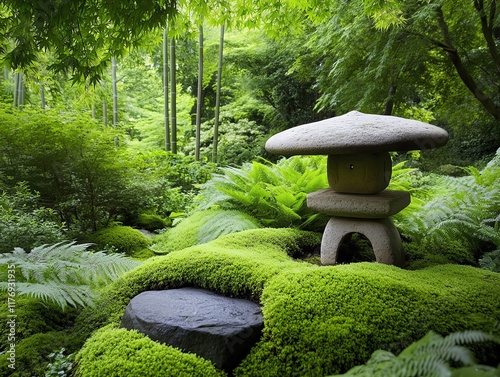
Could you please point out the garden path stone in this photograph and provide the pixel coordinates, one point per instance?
(215, 327)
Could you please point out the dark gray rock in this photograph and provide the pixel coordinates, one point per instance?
(215, 327)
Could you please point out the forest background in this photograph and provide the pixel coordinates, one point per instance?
(86, 138)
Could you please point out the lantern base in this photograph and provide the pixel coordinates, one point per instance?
(382, 234)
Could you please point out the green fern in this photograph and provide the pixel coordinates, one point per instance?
(428, 357)
(202, 227)
(461, 210)
(491, 261)
(64, 273)
(275, 194)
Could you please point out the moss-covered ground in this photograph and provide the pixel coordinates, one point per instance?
(318, 320)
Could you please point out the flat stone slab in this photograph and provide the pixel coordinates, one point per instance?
(356, 132)
(215, 327)
(376, 206)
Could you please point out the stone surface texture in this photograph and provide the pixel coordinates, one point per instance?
(381, 233)
(356, 132)
(215, 327)
(377, 206)
(364, 173)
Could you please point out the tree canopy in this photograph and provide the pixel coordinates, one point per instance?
(396, 47)
(81, 35)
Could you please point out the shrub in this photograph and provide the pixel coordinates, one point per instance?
(273, 193)
(429, 356)
(60, 365)
(22, 223)
(491, 261)
(122, 239)
(72, 161)
(452, 252)
(202, 227)
(459, 218)
(119, 352)
(152, 222)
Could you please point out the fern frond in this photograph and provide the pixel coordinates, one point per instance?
(221, 223)
(58, 293)
(103, 268)
(64, 272)
(429, 357)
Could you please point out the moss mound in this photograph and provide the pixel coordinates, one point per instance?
(33, 317)
(122, 239)
(328, 319)
(202, 227)
(236, 265)
(151, 222)
(127, 353)
(318, 320)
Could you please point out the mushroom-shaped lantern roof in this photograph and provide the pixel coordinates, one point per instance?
(356, 132)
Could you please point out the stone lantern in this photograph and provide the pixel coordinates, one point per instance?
(359, 169)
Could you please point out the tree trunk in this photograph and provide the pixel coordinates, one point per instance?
(199, 97)
(165, 89)
(173, 96)
(115, 92)
(462, 71)
(15, 91)
(389, 105)
(487, 24)
(217, 96)
(105, 112)
(42, 96)
(20, 91)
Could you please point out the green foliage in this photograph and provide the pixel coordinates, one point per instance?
(170, 182)
(82, 36)
(72, 162)
(60, 365)
(429, 356)
(121, 239)
(118, 352)
(64, 274)
(33, 353)
(33, 317)
(23, 223)
(318, 320)
(152, 222)
(239, 141)
(273, 193)
(459, 216)
(202, 227)
(423, 255)
(327, 320)
(491, 261)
